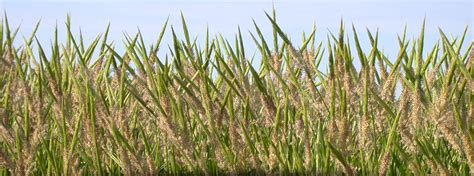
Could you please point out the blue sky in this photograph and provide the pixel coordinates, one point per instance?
(224, 16)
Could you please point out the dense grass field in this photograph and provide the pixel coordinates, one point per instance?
(80, 107)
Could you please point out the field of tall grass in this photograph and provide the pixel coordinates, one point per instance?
(81, 108)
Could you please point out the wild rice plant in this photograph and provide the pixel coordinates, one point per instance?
(89, 110)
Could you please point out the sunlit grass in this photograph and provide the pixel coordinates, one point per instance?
(208, 110)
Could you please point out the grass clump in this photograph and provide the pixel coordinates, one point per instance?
(87, 109)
